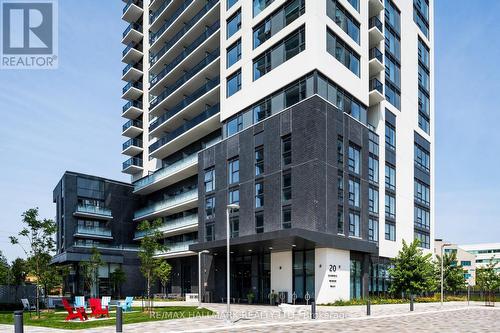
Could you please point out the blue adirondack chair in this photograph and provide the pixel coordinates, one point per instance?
(80, 302)
(127, 304)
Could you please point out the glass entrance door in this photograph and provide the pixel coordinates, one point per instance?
(303, 275)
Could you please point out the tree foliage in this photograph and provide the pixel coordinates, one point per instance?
(4, 270)
(487, 279)
(413, 272)
(118, 278)
(453, 274)
(18, 272)
(163, 272)
(90, 270)
(38, 235)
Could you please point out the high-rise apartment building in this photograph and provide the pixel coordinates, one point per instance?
(315, 117)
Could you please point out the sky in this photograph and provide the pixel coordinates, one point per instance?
(70, 118)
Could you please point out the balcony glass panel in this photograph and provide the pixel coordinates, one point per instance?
(165, 204)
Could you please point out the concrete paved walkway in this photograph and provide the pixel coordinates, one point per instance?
(258, 318)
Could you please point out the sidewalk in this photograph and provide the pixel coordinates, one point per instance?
(247, 316)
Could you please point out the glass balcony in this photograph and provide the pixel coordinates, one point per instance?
(179, 246)
(375, 84)
(197, 42)
(83, 243)
(209, 85)
(137, 66)
(94, 210)
(137, 85)
(165, 172)
(173, 224)
(135, 26)
(133, 161)
(132, 104)
(376, 54)
(173, 201)
(135, 46)
(186, 127)
(375, 22)
(129, 3)
(154, 36)
(130, 123)
(154, 15)
(93, 231)
(132, 142)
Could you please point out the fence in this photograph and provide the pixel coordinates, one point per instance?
(13, 294)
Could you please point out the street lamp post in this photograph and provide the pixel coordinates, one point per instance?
(442, 271)
(228, 270)
(199, 276)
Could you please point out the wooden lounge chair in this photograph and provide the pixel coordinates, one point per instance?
(74, 313)
(105, 301)
(97, 309)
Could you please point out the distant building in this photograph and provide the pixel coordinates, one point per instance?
(464, 259)
(96, 212)
(483, 253)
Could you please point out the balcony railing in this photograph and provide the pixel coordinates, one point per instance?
(130, 2)
(135, 26)
(82, 243)
(95, 210)
(154, 15)
(197, 42)
(137, 66)
(130, 123)
(375, 22)
(184, 128)
(133, 161)
(376, 54)
(165, 171)
(132, 142)
(130, 104)
(179, 246)
(375, 84)
(209, 85)
(154, 36)
(93, 231)
(172, 225)
(136, 46)
(174, 200)
(137, 85)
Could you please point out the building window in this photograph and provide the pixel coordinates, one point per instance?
(233, 83)
(261, 111)
(210, 232)
(424, 239)
(392, 16)
(340, 151)
(230, 3)
(260, 5)
(343, 18)
(354, 224)
(354, 4)
(354, 193)
(423, 54)
(233, 54)
(342, 52)
(283, 51)
(465, 263)
(423, 123)
(210, 208)
(233, 24)
(287, 186)
(209, 180)
(421, 15)
(422, 218)
(286, 149)
(340, 187)
(390, 136)
(422, 193)
(390, 177)
(372, 169)
(234, 222)
(287, 218)
(353, 156)
(234, 171)
(259, 195)
(373, 200)
(392, 94)
(423, 78)
(422, 158)
(390, 231)
(279, 19)
(390, 206)
(373, 229)
(234, 125)
(373, 143)
(259, 161)
(234, 197)
(340, 220)
(259, 223)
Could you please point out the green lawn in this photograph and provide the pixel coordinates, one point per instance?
(56, 320)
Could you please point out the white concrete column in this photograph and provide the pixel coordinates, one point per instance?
(281, 273)
(332, 275)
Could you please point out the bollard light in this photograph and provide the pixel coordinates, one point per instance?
(119, 319)
(18, 322)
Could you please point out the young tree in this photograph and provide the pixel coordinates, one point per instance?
(149, 247)
(413, 272)
(487, 279)
(117, 278)
(39, 236)
(453, 274)
(4, 270)
(90, 271)
(163, 272)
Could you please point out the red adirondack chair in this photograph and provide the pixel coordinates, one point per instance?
(74, 313)
(96, 307)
